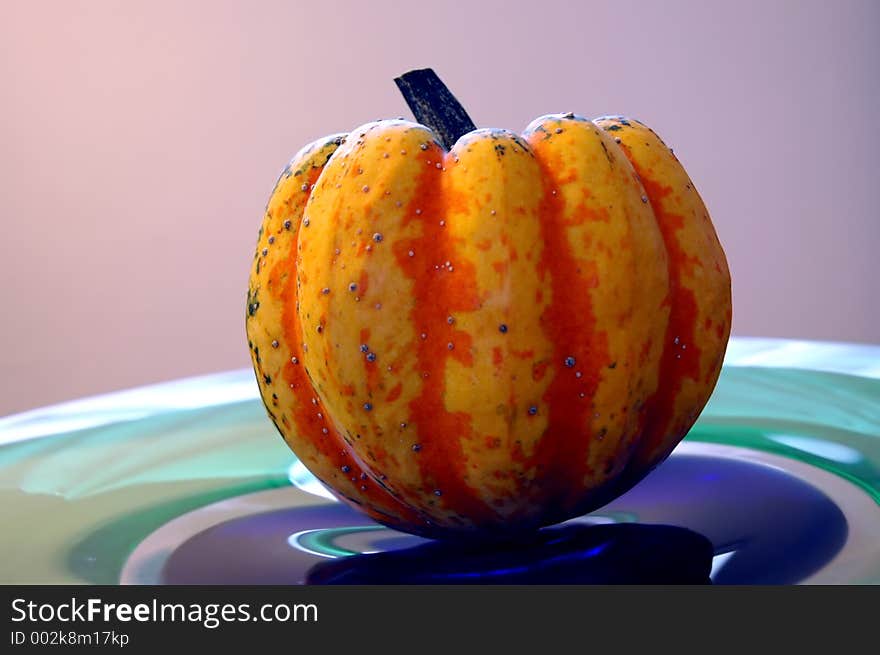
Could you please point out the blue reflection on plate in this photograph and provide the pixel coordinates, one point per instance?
(695, 517)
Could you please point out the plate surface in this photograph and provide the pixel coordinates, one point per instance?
(781, 474)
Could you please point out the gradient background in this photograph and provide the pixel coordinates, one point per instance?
(140, 141)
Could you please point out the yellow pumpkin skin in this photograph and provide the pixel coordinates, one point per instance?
(490, 339)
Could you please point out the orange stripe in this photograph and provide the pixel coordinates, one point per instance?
(570, 324)
(681, 356)
(439, 291)
(394, 394)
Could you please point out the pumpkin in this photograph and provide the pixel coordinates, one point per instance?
(469, 332)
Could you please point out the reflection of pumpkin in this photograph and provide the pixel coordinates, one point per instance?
(488, 338)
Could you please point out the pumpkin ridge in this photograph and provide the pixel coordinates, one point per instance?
(699, 295)
(675, 363)
(492, 217)
(371, 441)
(611, 234)
(311, 418)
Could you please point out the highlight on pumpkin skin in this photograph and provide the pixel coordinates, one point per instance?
(489, 339)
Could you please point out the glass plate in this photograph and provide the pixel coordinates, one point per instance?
(780, 476)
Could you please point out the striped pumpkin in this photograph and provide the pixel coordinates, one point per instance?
(467, 331)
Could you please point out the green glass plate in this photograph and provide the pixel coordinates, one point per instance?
(88, 483)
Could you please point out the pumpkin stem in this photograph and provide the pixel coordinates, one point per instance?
(434, 106)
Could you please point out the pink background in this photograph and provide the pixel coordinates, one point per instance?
(140, 141)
